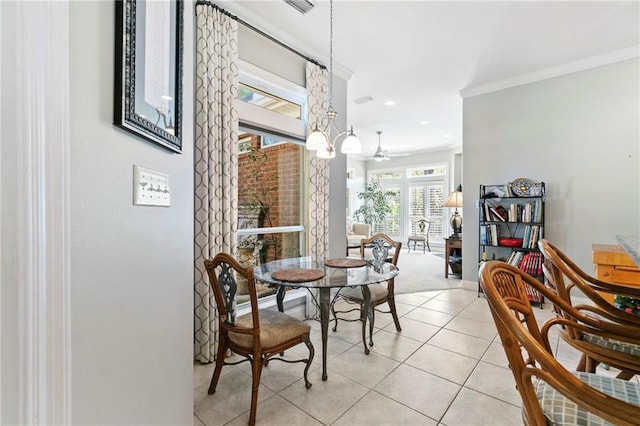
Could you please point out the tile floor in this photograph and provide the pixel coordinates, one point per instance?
(446, 367)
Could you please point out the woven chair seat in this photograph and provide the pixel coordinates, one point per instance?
(560, 410)
(616, 345)
(275, 328)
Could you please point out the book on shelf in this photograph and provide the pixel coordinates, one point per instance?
(499, 213)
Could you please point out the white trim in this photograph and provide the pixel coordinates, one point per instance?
(42, 40)
(271, 83)
(568, 68)
(270, 230)
(268, 82)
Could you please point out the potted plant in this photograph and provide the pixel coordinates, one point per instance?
(375, 206)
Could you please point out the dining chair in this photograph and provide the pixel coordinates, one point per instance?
(258, 335)
(420, 235)
(550, 393)
(562, 276)
(382, 249)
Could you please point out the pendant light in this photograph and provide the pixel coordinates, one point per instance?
(319, 140)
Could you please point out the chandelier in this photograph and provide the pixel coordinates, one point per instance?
(319, 140)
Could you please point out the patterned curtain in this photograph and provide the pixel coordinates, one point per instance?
(317, 95)
(216, 161)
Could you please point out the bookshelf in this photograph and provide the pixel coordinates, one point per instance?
(511, 221)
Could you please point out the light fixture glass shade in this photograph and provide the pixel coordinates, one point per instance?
(316, 139)
(351, 144)
(325, 153)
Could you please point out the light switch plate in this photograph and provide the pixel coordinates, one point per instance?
(150, 188)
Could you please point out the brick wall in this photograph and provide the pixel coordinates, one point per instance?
(276, 183)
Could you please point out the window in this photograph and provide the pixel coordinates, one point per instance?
(426, 171)
(425, 201)
(421, 192)
(260, 98)
(270, 196)
(271, 153)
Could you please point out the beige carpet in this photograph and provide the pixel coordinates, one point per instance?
(421, 272)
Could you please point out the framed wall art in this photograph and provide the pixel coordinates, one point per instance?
(148, 70)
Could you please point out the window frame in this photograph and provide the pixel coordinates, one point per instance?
(261, 121)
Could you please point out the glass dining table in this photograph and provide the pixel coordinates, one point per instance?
(335, 277)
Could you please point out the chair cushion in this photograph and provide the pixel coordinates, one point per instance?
(349, 226)
(561, 411)
(275, 328)
(378, 293)
(616, 345)
(417, 238)
(354, 239)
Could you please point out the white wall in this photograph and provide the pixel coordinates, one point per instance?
(356, 183)
(131, 266)
(579, 133)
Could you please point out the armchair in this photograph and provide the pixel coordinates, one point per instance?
(550, 393)
(357, 232)
(611, 344)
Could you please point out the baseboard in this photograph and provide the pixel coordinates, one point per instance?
(469, 285)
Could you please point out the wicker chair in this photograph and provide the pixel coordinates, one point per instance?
(560, 266)
(562, 276)
(380, 246)
(257, 336)
(550, 393)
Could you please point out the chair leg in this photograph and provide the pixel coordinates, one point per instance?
(312, 352)
(625, 375)
(222, 350)
(256, 372)
(372, 320)
(391, 301)
(428, 245)
(582, 363)
(424, 247)
(363, 320)
(591, 365)
(335, 317)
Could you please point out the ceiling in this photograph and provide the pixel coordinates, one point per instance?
(422, 54)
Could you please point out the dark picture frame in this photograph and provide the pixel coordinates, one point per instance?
(148, 70)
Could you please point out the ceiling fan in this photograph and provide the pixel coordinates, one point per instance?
(382, 154)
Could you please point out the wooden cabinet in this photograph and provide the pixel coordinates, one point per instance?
(452, 248)
(613, 265)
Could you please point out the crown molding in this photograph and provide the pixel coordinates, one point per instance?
(568, 68)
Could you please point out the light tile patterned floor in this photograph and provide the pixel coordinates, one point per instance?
(446, 367)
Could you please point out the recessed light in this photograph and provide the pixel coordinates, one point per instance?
(424, 122)
(390, 103)
(446, 135)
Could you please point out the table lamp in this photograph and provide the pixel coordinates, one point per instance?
(455, 200)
